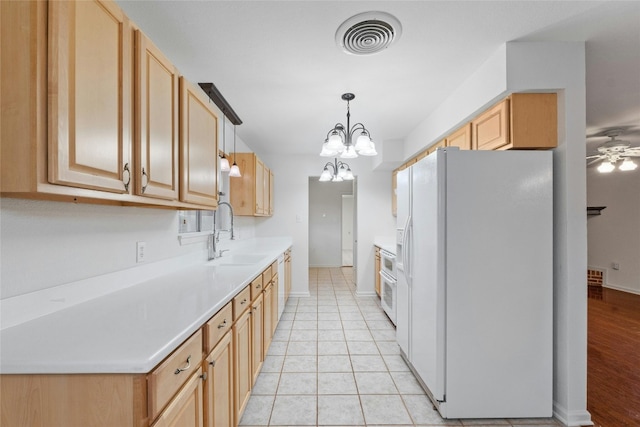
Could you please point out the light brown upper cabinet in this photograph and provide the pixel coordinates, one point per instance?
(460, 138)
(198, 147)
(522, 121)
(156, 135)
(252, 195)
(89, 78)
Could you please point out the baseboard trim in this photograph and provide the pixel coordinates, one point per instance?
(622, 289)
(366, 293)
(571, 418)
(299, 294)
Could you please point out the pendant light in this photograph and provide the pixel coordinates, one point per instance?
(224, 162)
(235, 170)
(339, 140)
(340, 171)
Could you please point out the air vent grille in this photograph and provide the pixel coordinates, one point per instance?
(368, 33)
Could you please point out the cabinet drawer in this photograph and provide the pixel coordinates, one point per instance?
(170, 375)
(241, 302)
(215, 328)
(274, 268)
(256, 286)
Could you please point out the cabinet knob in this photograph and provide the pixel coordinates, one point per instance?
(204, 376)
(187, 366)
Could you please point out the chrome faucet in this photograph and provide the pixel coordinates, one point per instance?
(214, 237)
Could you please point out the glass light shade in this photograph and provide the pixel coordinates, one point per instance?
(628, 165)
(349, 153)
(363, 142)
(370, 150)
(326, 175)
(334, 143)
(224, 164)
(235, 171)
(337, 179)
(342, 171)
(606, 167)
(348, 176)
(326, 152)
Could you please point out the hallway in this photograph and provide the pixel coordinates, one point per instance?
(334, 362)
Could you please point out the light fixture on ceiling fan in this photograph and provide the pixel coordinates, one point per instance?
(614, 151)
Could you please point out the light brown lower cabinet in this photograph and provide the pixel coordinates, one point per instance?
(218, 385)
(242, 362)
(184, 390)
(376, 270)
(274, 305)
(267, 318)
(257, 356)
(185, 410)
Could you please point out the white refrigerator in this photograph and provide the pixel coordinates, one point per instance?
(475, 280)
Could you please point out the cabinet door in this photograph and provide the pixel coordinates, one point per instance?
(259, 184)
(242, 190)
(270, 192)
(242, 362)
(287, 276)
(89, 78)
(461, 138)
(257, 358)
(185, 410)
(218, 390)
(198, 147)
(156, 142)
(490, 130)
(376, 270)
(275, 285)
(267, 319)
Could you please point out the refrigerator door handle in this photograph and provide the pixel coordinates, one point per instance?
(405, 252)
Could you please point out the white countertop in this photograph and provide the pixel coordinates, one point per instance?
(386, 243)
(134, 328)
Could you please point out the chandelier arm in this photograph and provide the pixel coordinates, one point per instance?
(356, 127)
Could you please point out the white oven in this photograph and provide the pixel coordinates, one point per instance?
(388, 284)
(388, 263)
(388, 295)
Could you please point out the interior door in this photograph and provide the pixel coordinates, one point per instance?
(347, 230)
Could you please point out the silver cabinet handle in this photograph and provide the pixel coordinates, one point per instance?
(185, 368)
(128, 178)
(145, 179)
(223, 324)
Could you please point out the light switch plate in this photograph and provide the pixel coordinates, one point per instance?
(141, 251)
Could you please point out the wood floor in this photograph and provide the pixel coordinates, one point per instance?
(613, 373)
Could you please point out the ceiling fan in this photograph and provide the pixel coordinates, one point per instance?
(614, 151)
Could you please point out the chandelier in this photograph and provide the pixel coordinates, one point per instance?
(340, 172)
(339, 141)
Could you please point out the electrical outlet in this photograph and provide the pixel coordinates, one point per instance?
(615, 266)
(141, 249)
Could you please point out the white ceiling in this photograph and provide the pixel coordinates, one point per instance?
(277, 63)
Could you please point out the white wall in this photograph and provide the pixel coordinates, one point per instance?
(45, 244)
(291, 214)
(614, 236)
(325, 222)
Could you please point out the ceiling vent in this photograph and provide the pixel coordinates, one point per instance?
(368, 33)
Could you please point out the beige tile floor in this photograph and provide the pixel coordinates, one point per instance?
(334, 362)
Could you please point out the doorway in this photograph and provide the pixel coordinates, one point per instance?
(331, 223)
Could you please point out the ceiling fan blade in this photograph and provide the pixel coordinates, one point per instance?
(594, 156)
(593, 161)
